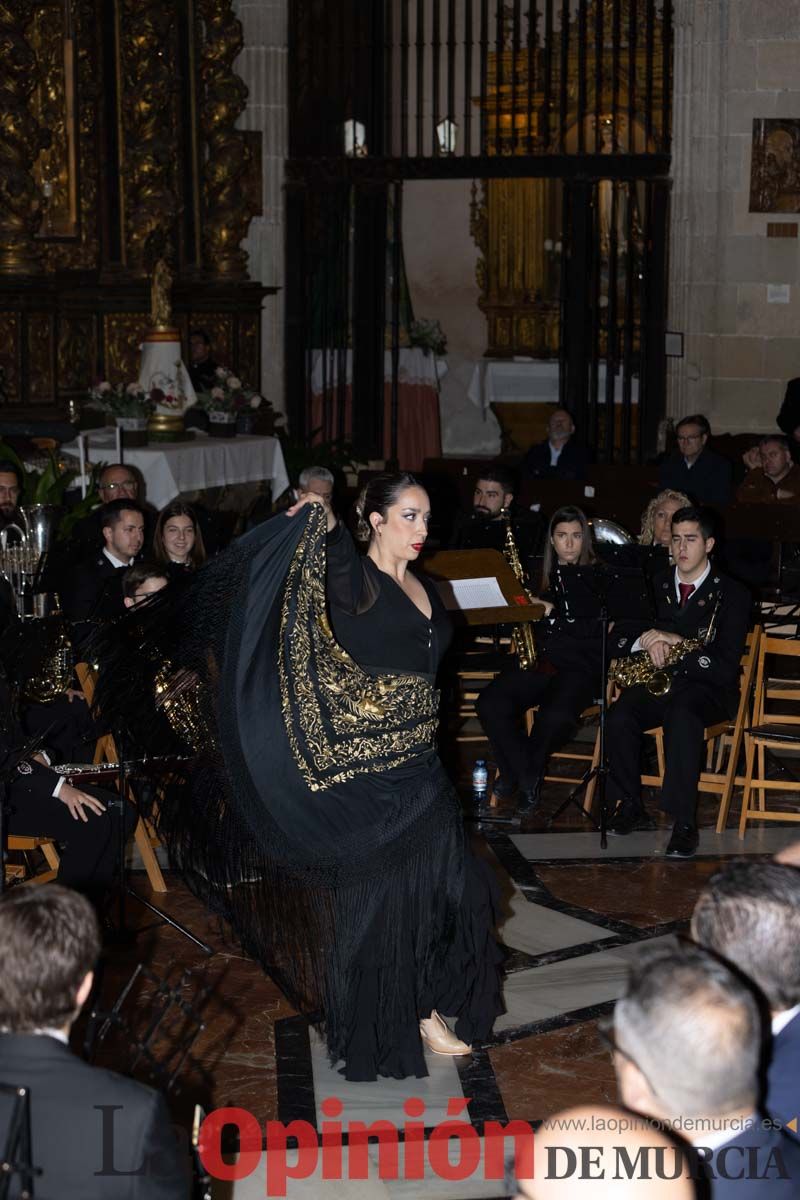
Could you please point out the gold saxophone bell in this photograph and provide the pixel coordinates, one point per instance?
(639, 668)
(524, 640)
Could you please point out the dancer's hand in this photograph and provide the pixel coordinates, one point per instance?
(313, 498)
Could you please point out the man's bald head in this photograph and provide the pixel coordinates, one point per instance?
(605, 1153)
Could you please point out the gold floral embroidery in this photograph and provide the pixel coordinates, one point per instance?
(340, 721)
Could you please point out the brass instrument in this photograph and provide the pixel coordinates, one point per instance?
(54, 675)
(524, 641)
(639, 668)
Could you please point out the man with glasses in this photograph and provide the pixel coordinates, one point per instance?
(694, 468)
(687, 1042)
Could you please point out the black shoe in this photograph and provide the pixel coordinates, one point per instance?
(683, 842)
(630, 815)
(530, 799)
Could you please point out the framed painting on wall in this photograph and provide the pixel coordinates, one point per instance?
(775, 165)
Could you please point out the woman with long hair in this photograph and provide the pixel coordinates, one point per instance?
(178, 541)
(563, 682)
(657, 518)
(318, 818)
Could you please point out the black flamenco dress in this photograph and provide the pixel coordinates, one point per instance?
(317, 817)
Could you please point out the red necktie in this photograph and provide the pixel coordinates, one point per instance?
(686, 590)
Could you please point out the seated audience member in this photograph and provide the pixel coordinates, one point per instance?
(43, 804)
(142, 580)
(178, 542)
(563, 682)
(749, 914)
(315, 481)
(704, 688)
(561, 456)
(95, 590)
(687, 1049)
(695, 469)
(202, 368)
(789, 416)
(562, 1170)
(95, 1135)
(10, 492)
(484, 528)
(776, 479)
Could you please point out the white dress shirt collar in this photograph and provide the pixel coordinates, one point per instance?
(782, 1019)
(116, 562)
(697, 583)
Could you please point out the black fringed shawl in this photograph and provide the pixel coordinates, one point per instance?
(315, 810)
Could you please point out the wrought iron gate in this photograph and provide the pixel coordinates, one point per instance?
(569, 99)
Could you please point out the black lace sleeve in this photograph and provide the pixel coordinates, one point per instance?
(345, 580)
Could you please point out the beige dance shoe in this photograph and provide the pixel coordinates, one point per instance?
(439, 1038)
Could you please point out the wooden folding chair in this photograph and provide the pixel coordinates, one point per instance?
(590, 761)
(769, 730)
(106, 751)
(719, 783)
(26, 845)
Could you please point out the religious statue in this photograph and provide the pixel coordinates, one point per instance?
(160, 307)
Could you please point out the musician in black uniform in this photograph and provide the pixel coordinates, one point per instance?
(563, 682)
(41, 803)
(485, 527)
(705, 687)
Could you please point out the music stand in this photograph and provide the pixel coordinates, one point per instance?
(15, 1147)
(122, 934)
(621, 594)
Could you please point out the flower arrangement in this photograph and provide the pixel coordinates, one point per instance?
(228, 395)
(429, 336)
(121, 400)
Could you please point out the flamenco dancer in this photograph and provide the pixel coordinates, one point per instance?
(319, 820)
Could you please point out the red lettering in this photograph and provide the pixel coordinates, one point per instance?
(469, 1150)
(278, 1169)
(209, 1146)
(494, 1135)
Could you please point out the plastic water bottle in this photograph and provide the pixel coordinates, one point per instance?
(480, 782)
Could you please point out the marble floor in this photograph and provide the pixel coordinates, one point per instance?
(573, 917)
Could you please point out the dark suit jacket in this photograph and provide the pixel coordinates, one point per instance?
(25, 778)
(717, 665)
(708, 481)
(759, 1164)
(94, 593)
(572, 461)
(783, 1076)
(92, 1131)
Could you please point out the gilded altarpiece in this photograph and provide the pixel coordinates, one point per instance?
(120, 146)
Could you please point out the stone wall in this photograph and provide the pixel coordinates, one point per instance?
(262, 65)
(735, 60)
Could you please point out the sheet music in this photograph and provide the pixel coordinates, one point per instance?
(471, 593)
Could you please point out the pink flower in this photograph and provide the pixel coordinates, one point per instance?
(255, 401)
(221, 372)
(217, 393)
(105, 386)
(233, 383)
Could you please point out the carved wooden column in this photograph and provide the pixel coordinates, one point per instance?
(150, 197)
(21, 139)
(227, 171)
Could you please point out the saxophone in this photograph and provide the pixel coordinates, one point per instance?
(524, 641)
(639, 668)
